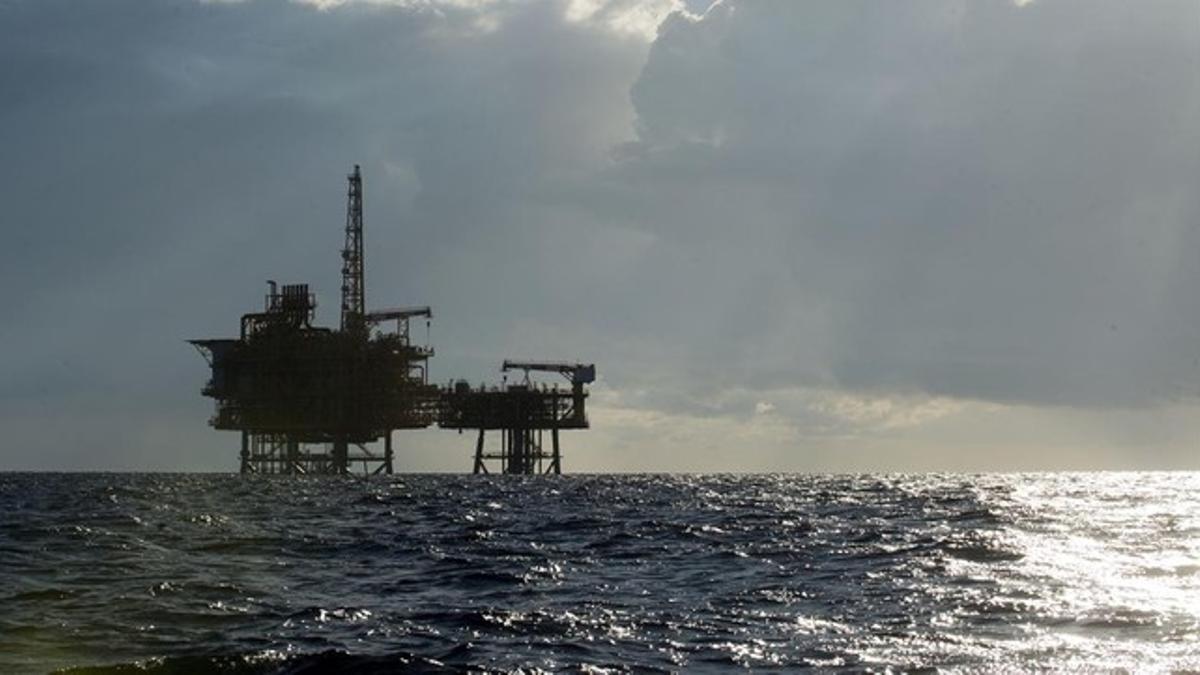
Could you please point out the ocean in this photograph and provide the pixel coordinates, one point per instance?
(161, 573)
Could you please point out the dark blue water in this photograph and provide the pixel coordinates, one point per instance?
(195, 573)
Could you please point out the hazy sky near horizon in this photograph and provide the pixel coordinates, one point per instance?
(829, 236)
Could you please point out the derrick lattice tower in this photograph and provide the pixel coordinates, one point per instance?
(354, 301)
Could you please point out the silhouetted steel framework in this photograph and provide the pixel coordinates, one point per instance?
(308, 399)
(521, 413)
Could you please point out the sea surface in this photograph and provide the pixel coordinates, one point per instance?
(124, 573)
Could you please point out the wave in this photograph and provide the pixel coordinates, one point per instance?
(273, 663)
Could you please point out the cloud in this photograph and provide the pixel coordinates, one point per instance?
(772, 225)
(634, 18)
(970, 203)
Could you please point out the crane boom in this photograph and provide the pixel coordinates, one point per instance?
(577, 373)
(401, 313)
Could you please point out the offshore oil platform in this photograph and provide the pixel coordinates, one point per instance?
(314, 400)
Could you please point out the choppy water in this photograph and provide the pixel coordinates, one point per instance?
(189, 573)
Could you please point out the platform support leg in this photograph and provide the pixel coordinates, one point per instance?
(514, 461)
(387, 453)
(555, 459)
(479, 465)
(245, 468)
(293, 457)
(341, 456)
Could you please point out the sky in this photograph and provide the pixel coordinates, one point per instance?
(934, 235)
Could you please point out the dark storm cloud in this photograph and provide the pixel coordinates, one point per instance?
(988, 201)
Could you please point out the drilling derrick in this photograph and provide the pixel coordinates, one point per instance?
(353, 292)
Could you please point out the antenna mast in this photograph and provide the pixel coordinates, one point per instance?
(353, 290)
